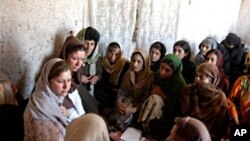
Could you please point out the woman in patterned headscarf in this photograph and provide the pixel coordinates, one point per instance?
(44, 120)
(206, 102)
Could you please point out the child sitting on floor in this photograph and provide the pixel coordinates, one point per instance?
(121, 117)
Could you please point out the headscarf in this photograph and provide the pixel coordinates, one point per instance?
(89, 127)
(173, 84)
(211, 41)
(44, 103)
(190, 129)
(211, 71)
(233, 39)
(141, 83)
(114, 69)
(224, 82)
(91, 33)
(72, 41)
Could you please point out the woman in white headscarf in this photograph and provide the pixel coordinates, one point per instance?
(44, 119)
(89, 127)
(92, 71)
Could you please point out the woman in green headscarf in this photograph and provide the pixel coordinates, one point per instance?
(160, 109)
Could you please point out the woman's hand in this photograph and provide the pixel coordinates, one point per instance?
(93, 79)
(85, 79)
(64, 111)
(157, 90)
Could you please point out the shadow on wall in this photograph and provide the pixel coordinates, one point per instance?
(58, 40)
(11, 63)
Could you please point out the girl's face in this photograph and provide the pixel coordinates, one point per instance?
(113, 55)
(178, 51)
(60, 85)
(155, 54)
(200, 77)
(212, 58)
(137, 63)
(76, 60)
(165, 70)
(204, 48)
(89, 46)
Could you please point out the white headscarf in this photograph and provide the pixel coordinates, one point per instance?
(92, 60)
(44, 104)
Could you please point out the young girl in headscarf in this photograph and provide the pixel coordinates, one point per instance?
(44, 120)
(159, 110)
(139, 78)
(92, 71)
(205, 46)
(156, 52)
(206, 102)
(214, 56)
(182, 50)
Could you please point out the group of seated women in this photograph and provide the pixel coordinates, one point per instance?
(84, 96)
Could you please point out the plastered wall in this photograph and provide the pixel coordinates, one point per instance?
(31, 32)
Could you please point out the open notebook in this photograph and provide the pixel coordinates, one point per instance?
(131, 134)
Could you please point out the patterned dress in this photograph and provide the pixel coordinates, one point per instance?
(239, 100)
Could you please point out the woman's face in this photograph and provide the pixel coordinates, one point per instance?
(113, 55)
(137, 63)
(89, 46)
(200, 77)
(212, 58)
(155, 54)
(60, 85)
(165, 70)
(178, 51)
(76, 60)
(204, 48)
